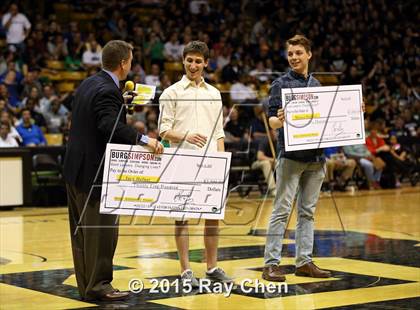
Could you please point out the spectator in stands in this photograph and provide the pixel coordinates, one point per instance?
(165, 82)
(55, 119)
(153, 48)
(263, 52)
(411, 122)
(12, 86)
(17, 27)
(6, 118)
(35, 94)
(378, 147)
(137, 74)
(154, 77)
(57, 47)
(240, 92)
(259, 29)
(121, 31)
(212, 66)
(31, 134)
(6, 140)
(352, 76)
(397, 150)
(30, 57)
(151, 118)
(338, 62)
(235, 130)
(400, 155)
(232, 71)
(32, 104)
(261, 73)
(40, 46)
(12, 79)
(338, 162)
(76, 45)
(199, 6)
(372, 166)
(73, 59)
(48, 95)
(13, 104)
(172, 49)
(53, 30)
(91, 57)
(266, 161)
(138, 36)
(3, 105)
(31, 81)
(400, 131)
(156, 27)
(12, 67)
(224, 57)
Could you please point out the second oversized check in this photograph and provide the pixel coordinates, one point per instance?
(318, 117)
(179, 183)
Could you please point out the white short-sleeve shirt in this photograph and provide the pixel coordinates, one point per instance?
(8, 142)
(16, 32)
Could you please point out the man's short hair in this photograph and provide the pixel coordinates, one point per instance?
(198, 47)
(114, 52)
(300, 39)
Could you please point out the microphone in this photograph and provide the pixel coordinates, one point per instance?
(128, 89)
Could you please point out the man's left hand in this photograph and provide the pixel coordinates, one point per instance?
(129, 95)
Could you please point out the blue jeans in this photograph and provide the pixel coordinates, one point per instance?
(369, 169)
(305, 179)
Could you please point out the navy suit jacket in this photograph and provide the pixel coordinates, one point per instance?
(95, 109)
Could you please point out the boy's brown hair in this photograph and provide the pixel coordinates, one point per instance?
(197, 47)
(300, 40)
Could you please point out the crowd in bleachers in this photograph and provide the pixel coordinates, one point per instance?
(46, 52)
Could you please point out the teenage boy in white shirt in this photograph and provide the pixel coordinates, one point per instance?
(191, 117)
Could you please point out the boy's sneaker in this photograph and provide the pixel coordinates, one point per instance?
(188, 276)
(217, 274)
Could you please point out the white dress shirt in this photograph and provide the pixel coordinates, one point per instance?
(189, 108)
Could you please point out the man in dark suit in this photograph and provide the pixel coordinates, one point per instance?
(96, 120)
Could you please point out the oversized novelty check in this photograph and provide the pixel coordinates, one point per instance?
(319, 117)
(179, 183)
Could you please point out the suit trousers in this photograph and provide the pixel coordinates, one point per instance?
(94, 239)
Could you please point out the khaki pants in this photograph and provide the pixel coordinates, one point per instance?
(345, 167)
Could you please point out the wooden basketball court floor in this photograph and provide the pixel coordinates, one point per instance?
(375, 264)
